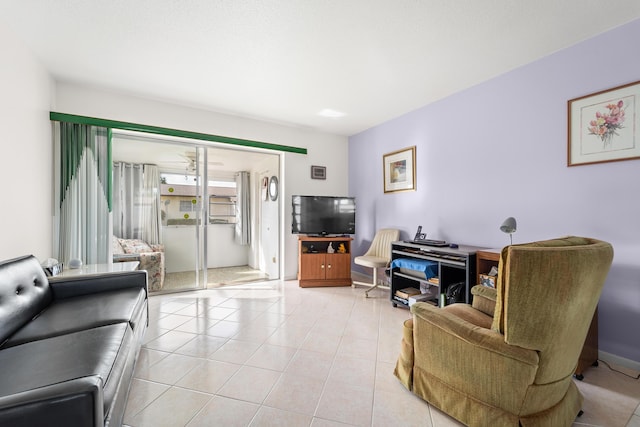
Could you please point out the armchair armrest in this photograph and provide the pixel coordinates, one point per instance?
(484, 299)
(157, 247)
(482, 339)
(66, 287)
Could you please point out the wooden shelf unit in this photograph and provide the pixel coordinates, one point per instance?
(485, 259)
(317, 267)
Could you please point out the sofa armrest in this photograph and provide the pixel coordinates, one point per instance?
(484, 299)
(148, 258)
(66, 287)
(74, 403)
(158, 247)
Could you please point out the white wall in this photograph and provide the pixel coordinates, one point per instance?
(323, 149)
(26, 166)
(267, 212)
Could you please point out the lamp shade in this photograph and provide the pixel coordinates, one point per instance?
(509, 225)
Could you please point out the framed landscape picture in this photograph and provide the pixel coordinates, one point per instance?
(399, 170)
(604, 126)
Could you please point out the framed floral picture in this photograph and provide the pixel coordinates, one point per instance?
(604, 126)
(399, 170)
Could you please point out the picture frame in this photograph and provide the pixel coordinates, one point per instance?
(318, 172)
(399, 170)
(604, 126)
(264, 190)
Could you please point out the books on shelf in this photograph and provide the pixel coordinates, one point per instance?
(407, 292)
(401, 300)
(428, 298)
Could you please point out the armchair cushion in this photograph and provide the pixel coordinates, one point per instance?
(484, 299)
(470, 314)
(69, 315)
(134, 246)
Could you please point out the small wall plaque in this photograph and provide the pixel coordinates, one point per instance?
(318, 172)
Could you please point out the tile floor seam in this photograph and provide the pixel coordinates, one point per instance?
(156, 398)
(326, 379)
(199, 411)
(324, 387)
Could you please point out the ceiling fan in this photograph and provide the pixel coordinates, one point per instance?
(188, 163)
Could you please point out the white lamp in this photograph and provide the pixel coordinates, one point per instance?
(509, 226)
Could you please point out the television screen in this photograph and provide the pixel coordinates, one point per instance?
(323, 215)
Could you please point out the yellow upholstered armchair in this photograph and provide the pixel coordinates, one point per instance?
(509, 358)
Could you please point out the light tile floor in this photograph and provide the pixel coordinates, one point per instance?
(275, 354)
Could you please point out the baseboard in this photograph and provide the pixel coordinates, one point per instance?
(620, 361)
(356, 276)
(361, 277)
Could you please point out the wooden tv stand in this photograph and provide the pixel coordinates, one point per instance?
(317, 267)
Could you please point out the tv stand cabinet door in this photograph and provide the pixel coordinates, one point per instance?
(312, 267)
(338, 266)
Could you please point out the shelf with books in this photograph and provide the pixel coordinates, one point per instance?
(430, 269)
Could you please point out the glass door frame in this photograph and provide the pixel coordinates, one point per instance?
(202, 216)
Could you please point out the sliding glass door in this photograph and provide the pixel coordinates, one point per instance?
(180, 173)
(200, 225)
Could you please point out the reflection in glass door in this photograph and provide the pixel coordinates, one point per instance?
(184, 214)
(202, 217)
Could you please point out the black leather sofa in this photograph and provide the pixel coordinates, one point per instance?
(68, 347)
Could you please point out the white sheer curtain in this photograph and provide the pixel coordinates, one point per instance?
(127, 188)
(243, 226)
(83, 214)
(136, 202)
(151, 218)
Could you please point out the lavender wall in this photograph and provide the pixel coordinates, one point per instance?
(499, 149)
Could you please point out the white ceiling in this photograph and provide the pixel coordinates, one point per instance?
(286, 60)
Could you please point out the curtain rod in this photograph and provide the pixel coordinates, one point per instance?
(115, 124)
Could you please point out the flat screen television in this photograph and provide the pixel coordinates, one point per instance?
(323, 215)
